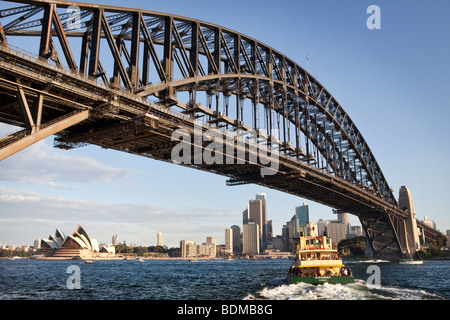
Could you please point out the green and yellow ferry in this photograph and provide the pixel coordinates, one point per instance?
(316, 262)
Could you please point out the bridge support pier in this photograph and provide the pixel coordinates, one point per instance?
(385, 236)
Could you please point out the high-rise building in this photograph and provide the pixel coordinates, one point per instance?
(256, 216)
(237, 242)
(250, 238)
(245, 216)
(115, 240)
(337, 231)
(302, 213)
(285, 238)
(263, 226)
(229, 240)
(321, 227)
(269, 231)
(159, 239)
(188, 249)
(210, 240)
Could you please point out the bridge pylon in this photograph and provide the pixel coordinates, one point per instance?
(406, 203)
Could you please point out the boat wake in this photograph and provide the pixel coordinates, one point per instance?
(355, 291)
(372, 261)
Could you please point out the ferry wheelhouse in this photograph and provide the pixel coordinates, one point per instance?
(316, 262)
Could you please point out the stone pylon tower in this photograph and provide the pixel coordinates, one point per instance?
(406, 203)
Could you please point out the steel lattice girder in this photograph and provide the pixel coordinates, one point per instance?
(234, 64)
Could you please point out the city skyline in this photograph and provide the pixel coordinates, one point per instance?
(376, 75)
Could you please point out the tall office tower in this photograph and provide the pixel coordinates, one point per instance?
(405, 202)
(229, 240)
(321, 227)
(303, 214)
(210, 247)
(245, 216)
(342, 217)
(256, 216)
(294, 227)
(250, 238)
(263, 226)
(285, 237)
(269, 231)
(337, 231)
(237, 243)
(115, 240)
(159, 239)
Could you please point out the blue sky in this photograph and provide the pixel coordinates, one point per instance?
(393, 83)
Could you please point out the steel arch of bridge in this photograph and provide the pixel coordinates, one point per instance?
(159, 58)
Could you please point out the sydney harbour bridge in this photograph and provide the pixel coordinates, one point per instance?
(129, 79)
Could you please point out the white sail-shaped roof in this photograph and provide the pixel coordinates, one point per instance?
(50, 243)
(77, 240)
(60, 234)
(95, 245)
(80, 230)
(84, 239)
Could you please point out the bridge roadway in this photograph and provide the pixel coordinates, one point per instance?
(47, 98)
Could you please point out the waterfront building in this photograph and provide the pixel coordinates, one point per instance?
(285, 238)
(78, 245)
(159, 239)
(237, 240)
(229, 241)
(188, 249)
(355, 231)
(250, 238)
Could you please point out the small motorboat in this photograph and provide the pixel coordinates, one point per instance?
(410, 261)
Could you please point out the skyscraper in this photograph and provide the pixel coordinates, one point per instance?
(250, 238)
(229, 240)
(115, 240)
(302, 213)
(263, 226)
(237, 242)
(245, 216)
(159, 239)
(256, 216)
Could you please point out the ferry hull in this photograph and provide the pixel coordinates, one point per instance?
(321, 279)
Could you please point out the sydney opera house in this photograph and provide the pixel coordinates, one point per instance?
(78, 245)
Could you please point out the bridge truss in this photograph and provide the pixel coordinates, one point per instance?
(127, 79)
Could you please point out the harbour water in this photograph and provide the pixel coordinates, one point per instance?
(25, 279)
